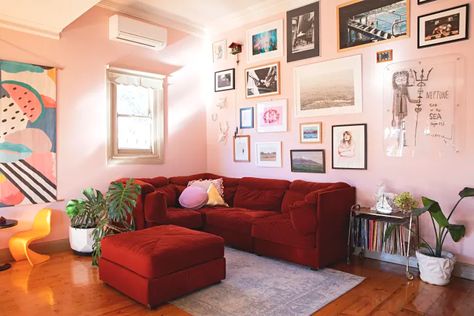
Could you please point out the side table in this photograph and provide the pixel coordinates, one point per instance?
(9, 223)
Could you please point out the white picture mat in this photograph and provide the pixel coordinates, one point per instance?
(216, 46)
(268, 147)
(462, 26)
(324, 70)
(282, 106)
(246, 118)
(278, 25)
(358, 159)
(242, 149)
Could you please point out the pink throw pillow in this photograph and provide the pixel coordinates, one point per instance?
(193, 197)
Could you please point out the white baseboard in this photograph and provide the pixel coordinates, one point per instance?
(461, 269)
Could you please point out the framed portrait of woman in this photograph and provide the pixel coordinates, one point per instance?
(349, 146)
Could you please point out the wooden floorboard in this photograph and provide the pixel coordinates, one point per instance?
(68, 285)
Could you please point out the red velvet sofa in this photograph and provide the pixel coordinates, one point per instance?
(299, 221)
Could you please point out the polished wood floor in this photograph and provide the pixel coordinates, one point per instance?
(68, 285)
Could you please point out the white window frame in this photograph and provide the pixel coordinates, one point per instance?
(135, 156)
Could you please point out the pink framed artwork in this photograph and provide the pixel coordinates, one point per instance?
(272, 116)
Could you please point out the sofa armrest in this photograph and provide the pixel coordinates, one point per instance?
(303, 217)
(144, 186)
(155, 207)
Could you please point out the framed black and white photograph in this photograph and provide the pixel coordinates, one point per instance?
(349, 146)
(446, 26)
(302, 32)
(268, 154)
(242, 148)
(425, 1)
(364, 22)
(329, 88)
(308, 160)
(224, 80)
(265, 42)
(246, 118)
(262, 80)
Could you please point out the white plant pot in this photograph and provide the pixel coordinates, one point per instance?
(81, 240)
(436, 270)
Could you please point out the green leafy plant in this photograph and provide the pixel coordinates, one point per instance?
(84, 213)
(405, 201)
(440, 222)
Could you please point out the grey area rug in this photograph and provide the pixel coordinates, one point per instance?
(262, 286)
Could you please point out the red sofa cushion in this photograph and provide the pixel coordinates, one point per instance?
(156, 181)
(235, 219)
(184, 217)
(260, 194)
(312, 197)
(297, 191)
(279, 229)
(161, 250)
(303, 217)
(170, 193)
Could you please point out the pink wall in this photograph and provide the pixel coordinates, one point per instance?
(83, 52)
(439, 177)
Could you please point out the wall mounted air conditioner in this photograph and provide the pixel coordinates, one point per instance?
(136, 32)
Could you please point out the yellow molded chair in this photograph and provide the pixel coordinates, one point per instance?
(20, 241)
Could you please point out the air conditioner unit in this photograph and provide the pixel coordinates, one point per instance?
(136, 32)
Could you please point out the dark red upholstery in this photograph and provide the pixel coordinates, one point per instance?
(235, 219)
(184, 217)
(260, 194)
(156, 181)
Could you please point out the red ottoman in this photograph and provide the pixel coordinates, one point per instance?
(161, 263)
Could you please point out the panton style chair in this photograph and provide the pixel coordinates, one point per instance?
(19, 242)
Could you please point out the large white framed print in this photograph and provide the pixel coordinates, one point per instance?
(329, 88)
(265, 42)
(272, 116)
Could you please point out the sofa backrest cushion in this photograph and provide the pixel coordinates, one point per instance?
(156, 181)
(260, 194)
(170, 193)
(312, 197)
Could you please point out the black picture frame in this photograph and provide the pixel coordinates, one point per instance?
(362, 161)
(425, 1)
(306, 164)
(314, 25)
(253, 117)
(230, 76)
(426, 16)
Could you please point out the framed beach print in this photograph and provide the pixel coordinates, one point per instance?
(272, 116)
(302, 32)
(219, 50)
(242, 148)
(329, 88)
(224, 80)
(349, 146)
(308, 160)
(246, 118)
(364, 22)
(268, 154)
(265, 41)
(311, 133)
(262, 80)
(446, 26)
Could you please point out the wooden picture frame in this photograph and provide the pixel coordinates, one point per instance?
(224, 80)
(354, 15)
(246, 118)
(385, 56)
(444, 26)
(241, 148)
(308, 160)
(311, 133)
(263, 80)
(425, 1)
(349, 146)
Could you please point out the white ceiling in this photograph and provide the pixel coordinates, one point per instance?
(42, 17)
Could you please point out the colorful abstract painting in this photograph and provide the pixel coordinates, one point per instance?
(27, 134)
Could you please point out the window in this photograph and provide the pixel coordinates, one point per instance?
(136, 124)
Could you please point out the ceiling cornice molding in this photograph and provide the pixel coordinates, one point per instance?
(156, 16)
(30, 28)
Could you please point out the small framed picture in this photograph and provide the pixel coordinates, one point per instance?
(385, 56)
(302, 32)
(265, 41)
(242, 148)
(311, 133)
(219, 51)
(425, 1)
(310, 160)
(268, 154)
(272, 116)
(446, 26)
(246, 118)
(262, 80)
(349, 146)
(224, 80)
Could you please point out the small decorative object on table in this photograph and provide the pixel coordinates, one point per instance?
(384, 201)
(405, 202)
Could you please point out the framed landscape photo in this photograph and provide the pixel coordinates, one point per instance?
(219, 50)
(311, 133)
(272, 116)
(302, 32)
(224, 80)
(242, 148)
(246, 118)
(349, 146)
(308, 160)
(364, 22)
(329, 88)
(446, 26)
(268, 154)
(262, 80)
(265, 41)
